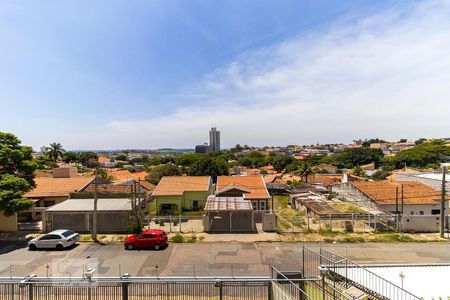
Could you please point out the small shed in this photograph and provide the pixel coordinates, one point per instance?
(228, 214)
(77, 215)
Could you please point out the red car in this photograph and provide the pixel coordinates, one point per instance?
(147, 239)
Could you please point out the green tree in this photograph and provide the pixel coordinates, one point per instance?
(157, 172)
(367, 143)
(304, 171)
(44, 162)
(358, 156)
(89, 159)
(122, 156)
(103, 174)
(422, 155)
(55, 151)
(209, 166)
(16, 174)
(358, 171)
(281, 162)
(189, 158)
(70, 157)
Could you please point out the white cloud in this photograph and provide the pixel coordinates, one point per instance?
(387, 75)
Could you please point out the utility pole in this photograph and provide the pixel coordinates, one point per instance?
(443, 192)
(403, 201)
(94, 219)
(273, 209)
(396, 200)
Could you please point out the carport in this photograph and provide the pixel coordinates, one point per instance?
(77, 215)
(228, 214)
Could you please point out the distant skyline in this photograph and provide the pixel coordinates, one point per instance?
(157, 74)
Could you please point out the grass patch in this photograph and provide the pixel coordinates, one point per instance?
(353, 239)
(347, 208)
(328, 233)
(393, 238)
(179, 238)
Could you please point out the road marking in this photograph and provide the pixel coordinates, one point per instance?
(276, 247)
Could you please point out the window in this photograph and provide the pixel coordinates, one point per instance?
(263, 205)
(162, 234)
(255, 205)
(435, 211)
(421, 212)
(149, 236)
(195, 204)
(412, 213)
(67, 233)
(49, 203)
(50, 237)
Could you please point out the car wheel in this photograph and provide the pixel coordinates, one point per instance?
(59, 247)
(157, 247)
(130, 247)
(32, 247)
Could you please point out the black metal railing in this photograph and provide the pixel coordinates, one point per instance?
(343, 273)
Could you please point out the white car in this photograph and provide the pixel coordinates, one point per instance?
(57, 239)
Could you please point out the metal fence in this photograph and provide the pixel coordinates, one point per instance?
(339, 222)
(175, 223)
(344, 273)
(163, 288)
(277, 287)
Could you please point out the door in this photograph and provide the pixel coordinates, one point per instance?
(48, 241)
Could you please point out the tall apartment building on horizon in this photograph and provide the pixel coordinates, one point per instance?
(214, 143)
(214, 140)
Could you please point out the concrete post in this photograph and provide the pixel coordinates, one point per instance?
(125, 291)
(331, 223)
(30, 292)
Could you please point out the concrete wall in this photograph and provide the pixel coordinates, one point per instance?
(420, 223)
(8, 223)
(415, 209)
(107, 222)
(65, 172)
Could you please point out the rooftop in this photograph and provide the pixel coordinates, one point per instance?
(58, 187)
(384, 192)
(227, 203)
(116, 204)
(177, 185)
(255, 185)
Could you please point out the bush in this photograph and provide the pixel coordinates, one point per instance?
(353, 239)
(135, 228)
(178, 238)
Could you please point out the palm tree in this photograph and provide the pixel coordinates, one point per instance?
(55, 151)
(304, 171)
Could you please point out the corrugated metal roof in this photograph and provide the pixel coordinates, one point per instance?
(117, 204)
(227, 203)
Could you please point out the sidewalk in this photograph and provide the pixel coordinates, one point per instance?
(240, 237)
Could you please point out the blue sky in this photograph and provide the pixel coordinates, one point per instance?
(149, 74)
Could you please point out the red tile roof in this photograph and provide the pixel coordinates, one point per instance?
(177, 185)
(255, 184)
(57, 187)
(384, 192)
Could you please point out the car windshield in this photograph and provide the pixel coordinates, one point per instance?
(162, 234)
(67, 233)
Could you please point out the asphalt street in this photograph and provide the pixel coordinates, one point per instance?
(201, 259)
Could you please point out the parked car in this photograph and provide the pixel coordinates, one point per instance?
(155, 239)
(57, 239)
